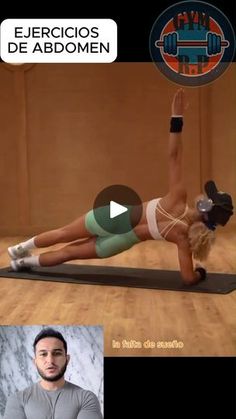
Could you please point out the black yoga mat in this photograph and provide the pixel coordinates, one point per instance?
(218, 283)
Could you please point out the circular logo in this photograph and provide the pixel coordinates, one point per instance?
(117, 209)
(192, 43)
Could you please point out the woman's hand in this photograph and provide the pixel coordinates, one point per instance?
(199, 268)
(178, 104)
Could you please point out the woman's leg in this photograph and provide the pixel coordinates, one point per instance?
(79, 250)
(84, 249)
(70, 232)
(91, 248)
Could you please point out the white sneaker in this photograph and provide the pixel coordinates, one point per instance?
(18, 265)
(16, 252)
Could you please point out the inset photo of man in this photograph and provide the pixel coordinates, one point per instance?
(51, 372)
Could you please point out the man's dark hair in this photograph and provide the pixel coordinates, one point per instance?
(49, 333)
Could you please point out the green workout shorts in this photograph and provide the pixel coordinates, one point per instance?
(107, 243)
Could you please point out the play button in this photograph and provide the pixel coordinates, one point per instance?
(117, 209)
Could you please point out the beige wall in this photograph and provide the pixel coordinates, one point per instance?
(223, 123)
(68, 131)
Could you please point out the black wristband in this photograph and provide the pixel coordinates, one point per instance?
(202, 272)
(176, 123)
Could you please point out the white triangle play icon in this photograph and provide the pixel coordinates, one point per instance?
(116, 209)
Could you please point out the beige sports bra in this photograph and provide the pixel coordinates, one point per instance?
(173, 221)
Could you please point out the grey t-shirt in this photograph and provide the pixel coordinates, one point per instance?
(69, 402)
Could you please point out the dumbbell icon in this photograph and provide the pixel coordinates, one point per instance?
(170, 43)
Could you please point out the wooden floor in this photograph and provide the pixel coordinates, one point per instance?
(135, 321)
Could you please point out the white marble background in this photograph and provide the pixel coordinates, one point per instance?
(17, 371)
